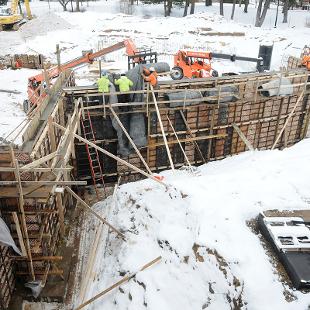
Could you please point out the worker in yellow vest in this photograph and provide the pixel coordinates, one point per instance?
(104, 86)
(124, 84)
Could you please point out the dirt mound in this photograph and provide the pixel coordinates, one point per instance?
(43, 24)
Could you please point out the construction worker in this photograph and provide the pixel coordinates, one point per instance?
(124, 84)
(104, 86)
(150, 75)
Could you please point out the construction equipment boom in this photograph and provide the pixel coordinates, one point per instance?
(35, 91)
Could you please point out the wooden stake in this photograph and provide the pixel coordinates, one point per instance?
(117, 284)
(288, 118)
(51, 133)
(130, 140)
(243, 137)
(162, 129)
(98, 216)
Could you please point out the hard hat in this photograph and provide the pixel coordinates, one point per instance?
(104, 72)
(152, 69)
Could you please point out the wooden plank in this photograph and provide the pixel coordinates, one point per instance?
(243, 137)
(115, 157)
(103, 220)
(44, 183)
(192, 136)
(130, 140)
(117, 284)
(39, 161)
(288, 118)
(162, 128)
(60, 209)
(22, 212)
(19, 234)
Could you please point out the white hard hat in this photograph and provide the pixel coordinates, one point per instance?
(152, 69)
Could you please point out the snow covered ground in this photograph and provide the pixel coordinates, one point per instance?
(211, 259)
(105, 22)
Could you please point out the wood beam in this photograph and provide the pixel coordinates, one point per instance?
(243, 137)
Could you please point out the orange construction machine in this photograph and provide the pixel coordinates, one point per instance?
(36, 87)
(198, 64)
(305, 58)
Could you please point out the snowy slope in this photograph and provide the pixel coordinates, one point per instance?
(13, 91)
(210, 257)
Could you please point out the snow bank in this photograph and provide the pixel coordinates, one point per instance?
(210, 257)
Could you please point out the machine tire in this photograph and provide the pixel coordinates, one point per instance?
(177, 73)
(215, 73)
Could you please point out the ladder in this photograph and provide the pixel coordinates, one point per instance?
(92, 153)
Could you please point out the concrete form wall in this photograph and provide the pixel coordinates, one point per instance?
(259, 118)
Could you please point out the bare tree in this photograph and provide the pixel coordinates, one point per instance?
(167, 7)
(285, 11)
(186, 8)
(240, 2)
(222, 7)
(233, 9)
(78, 5)
(192, 7)
(260, 15)
(208, 2)
(246, 4)
(64, 4)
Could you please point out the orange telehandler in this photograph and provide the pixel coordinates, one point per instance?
(36, 91)
(191, 64)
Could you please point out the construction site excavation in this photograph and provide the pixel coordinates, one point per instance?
(135, 174)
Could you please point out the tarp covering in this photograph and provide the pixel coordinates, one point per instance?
(6, 238)
(228, 94)
(182, 96)
(280, 86)
(137, 79)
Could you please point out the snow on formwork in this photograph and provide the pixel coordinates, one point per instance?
(211, 259)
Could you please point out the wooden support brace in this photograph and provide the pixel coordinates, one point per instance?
(162, 128)
(130, 140)
(39, 161)
(19, 234)
(85, 205)
(288, 118)
(117, 284)
(192, 136)
(176, 136)
(115, 157)
(243, 137)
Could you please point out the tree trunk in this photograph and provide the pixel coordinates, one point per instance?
(165, 8)
(169, 7)
(132, 2)
(208, 2)
(186, 7)
(240, 2)
(260, 16)
(78, 5)
(233, 9)
(222, 7)
(246, 4)
(285, 11)
(192, 11)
